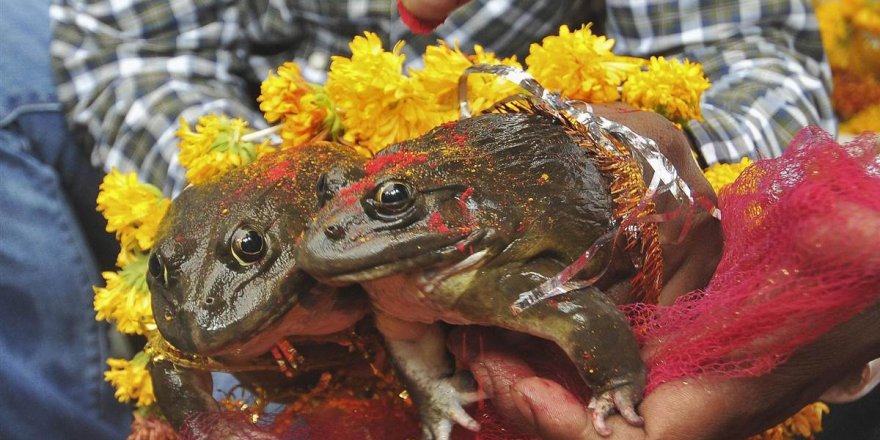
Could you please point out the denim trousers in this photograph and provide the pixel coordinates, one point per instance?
(52, 350)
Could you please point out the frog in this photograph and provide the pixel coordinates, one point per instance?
(448, 229)
(225, 284)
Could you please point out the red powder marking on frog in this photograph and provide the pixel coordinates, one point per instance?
(459, 139)
(460, 247)
(394, 160)
(350, 193)
(278, 171)
(462, 199)
(437, 224)
(469, 219)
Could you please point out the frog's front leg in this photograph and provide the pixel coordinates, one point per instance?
(419, 353)
(596, 336)
(181, 392)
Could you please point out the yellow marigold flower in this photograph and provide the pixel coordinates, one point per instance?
(378, 105)
(125, 299)
(443, 67)
(131, 379)
(304, 109)
(867, 19)
(216, 146)
(316, 119)
(580, 65)
(280, 94)
(721, 175)
(835, 33)
(133, 209)
(670, 87)
(803, 424)
(865, 120)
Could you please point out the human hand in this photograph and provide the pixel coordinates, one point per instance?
(709, 408)
(689, 409)
(432, 10)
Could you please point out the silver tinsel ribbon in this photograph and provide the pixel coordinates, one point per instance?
(603, 132)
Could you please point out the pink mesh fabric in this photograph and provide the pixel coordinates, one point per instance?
(801, 255)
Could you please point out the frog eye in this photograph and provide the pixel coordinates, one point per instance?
(248, 246)
(157, 270)
(393, 197)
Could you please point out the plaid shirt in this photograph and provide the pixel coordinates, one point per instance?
(127, 69)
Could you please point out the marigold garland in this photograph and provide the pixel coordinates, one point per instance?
(133, 211)
(445, 63)
(722, 174)
(216, 145)
(850, 32)
(378, 105)
(580, 65)
(669, 87)
(370, 103)
(125, 299)
(132, 380)
(305, 109)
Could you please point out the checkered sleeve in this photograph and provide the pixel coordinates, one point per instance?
(127, 69)
(764, 58)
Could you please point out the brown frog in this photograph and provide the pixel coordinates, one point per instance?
(452, 227)
(225, 283)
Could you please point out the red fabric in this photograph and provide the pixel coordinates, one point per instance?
(417, 25)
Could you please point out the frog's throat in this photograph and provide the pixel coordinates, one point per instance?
(262, 333)
(447, 257)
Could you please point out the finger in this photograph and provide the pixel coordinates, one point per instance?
(494, 368)
(554, 412)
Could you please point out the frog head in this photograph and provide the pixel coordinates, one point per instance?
(223, 275)
(481, 191)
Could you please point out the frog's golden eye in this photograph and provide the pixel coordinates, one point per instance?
(248, 246)
(393, 197)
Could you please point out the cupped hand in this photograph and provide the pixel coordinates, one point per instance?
(706, 409)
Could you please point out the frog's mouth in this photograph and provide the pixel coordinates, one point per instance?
(466, 253)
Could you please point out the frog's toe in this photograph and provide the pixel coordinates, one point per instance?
(439, 430)
(445, 406)
(441, 427)
(466, 387)
(621, 399)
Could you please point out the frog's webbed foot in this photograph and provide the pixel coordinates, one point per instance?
(622, 399)
(419, 353)
(443, 403)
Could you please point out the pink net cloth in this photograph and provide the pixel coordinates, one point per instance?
(801, 255)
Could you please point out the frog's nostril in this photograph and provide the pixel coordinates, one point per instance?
(335, 232)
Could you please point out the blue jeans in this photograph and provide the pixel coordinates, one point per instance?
(52, 350)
